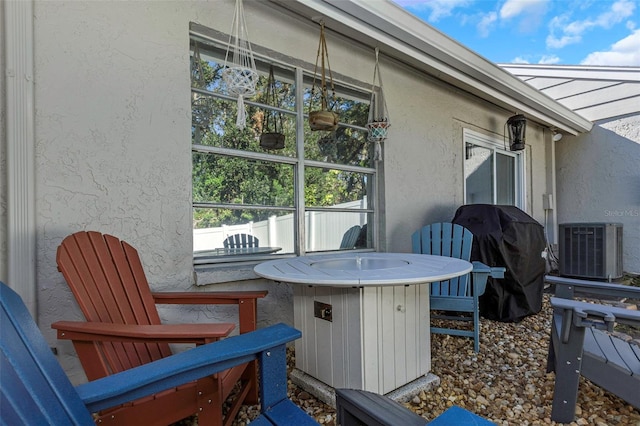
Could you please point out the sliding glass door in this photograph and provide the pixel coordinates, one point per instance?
(493, 174)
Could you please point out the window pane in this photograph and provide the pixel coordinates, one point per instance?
(344, 146)
(274, 229)
(348, 143)
(206, 74)
(505, 182)
(214, 115)
(336, 231)
(206, 67)
(336, 188)
(234, 180)
(478, 170)
(236, 192)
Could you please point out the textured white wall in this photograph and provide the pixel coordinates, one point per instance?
(424, 154)
(113, 141)
(599, 181)
(113, 138)
(112, 130)
(3, 164)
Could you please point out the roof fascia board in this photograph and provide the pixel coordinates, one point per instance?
(600, 73)
(458, 62)
(410, 40)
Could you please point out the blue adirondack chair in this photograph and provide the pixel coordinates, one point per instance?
(458, 295)
(34, 389)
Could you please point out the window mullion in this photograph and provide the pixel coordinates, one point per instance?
(299, 172)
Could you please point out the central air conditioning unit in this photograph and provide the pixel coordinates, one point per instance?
(591, 250)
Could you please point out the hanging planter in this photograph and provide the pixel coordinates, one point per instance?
(378, 123)
(272, 136)
(324, 118)
(378, 129)
(240, 73)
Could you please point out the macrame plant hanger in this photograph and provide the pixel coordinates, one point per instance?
(240, 74)
(325, 118)
(272, 136)
(378, 123)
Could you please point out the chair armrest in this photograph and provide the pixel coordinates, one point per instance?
(595, 315)
(480, 274)
(497, 271)
(568, 287)
(206, 298)
(493, 271)
(184, 367)
(164, 333)
(247, 302)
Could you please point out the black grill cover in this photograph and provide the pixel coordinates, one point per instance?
(507, 236)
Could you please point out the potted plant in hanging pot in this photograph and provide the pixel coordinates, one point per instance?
(324, 118)
(272, 140)
(378, 123)
(272, 136)
(378, 129)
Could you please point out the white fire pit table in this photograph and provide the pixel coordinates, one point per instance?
(364, 317)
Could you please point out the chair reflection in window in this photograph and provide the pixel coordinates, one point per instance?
(350, 238)
(240, 241)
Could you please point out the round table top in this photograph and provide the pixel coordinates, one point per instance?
(363, 269)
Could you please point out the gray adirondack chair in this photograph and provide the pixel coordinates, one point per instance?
(457, 295)
(350, 238)
(241, 241)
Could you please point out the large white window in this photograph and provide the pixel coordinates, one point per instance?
(493, 174)
(316, 194)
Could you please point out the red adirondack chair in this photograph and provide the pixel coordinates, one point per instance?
(109, 283)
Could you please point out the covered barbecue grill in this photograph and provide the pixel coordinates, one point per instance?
(507, 236)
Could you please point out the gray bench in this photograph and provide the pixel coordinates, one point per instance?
(582, 344)
(356, 407)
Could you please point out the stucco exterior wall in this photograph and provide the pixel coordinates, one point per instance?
(113, 141)
(424, 155)
(3, 164)
(599, 180)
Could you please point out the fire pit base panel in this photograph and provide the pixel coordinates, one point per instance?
(371, 338)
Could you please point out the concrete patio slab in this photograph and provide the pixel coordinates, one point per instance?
(327, 394)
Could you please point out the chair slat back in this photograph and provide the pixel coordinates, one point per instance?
(350, 237)
(241, 241)
(34, 390)
(446, 239)
(109, 284)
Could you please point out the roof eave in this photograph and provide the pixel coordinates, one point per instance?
(401, 35)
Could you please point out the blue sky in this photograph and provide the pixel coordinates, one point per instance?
(560, 32)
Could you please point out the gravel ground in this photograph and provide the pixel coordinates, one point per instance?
(506, 382)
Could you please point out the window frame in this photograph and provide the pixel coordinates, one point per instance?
(496, 146)
(302, 72)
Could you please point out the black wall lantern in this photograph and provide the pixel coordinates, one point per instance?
(517, 125)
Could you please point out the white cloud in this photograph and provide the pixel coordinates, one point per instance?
(485, 24)
(625, 52)
(544, 60)
(563, 40)
(549, 60)
(519, 60)
(513, 8)
(439, 8)
(530, 13)
(571, 32)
